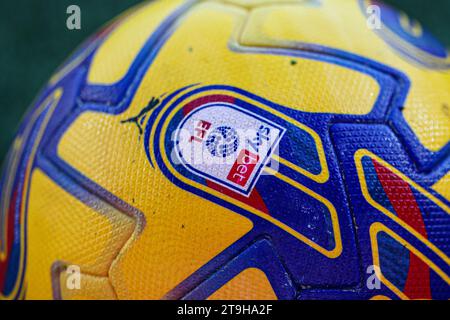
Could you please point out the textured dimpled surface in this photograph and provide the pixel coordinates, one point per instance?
(357, 181)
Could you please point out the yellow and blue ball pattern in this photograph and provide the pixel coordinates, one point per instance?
(355, 182)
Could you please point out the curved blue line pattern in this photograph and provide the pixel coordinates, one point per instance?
(294, 269)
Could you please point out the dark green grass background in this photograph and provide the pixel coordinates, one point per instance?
(34, 41)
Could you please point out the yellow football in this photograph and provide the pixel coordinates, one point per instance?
(259, 149)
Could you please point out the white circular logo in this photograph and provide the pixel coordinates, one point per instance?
(222, 142)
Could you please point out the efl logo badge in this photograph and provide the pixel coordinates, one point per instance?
(246, 154)
(226, 144)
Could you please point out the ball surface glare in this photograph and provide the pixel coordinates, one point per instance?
(232, 149)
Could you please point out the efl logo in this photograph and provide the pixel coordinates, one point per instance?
(226, 144)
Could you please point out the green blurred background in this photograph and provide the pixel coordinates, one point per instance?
(34, 41)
